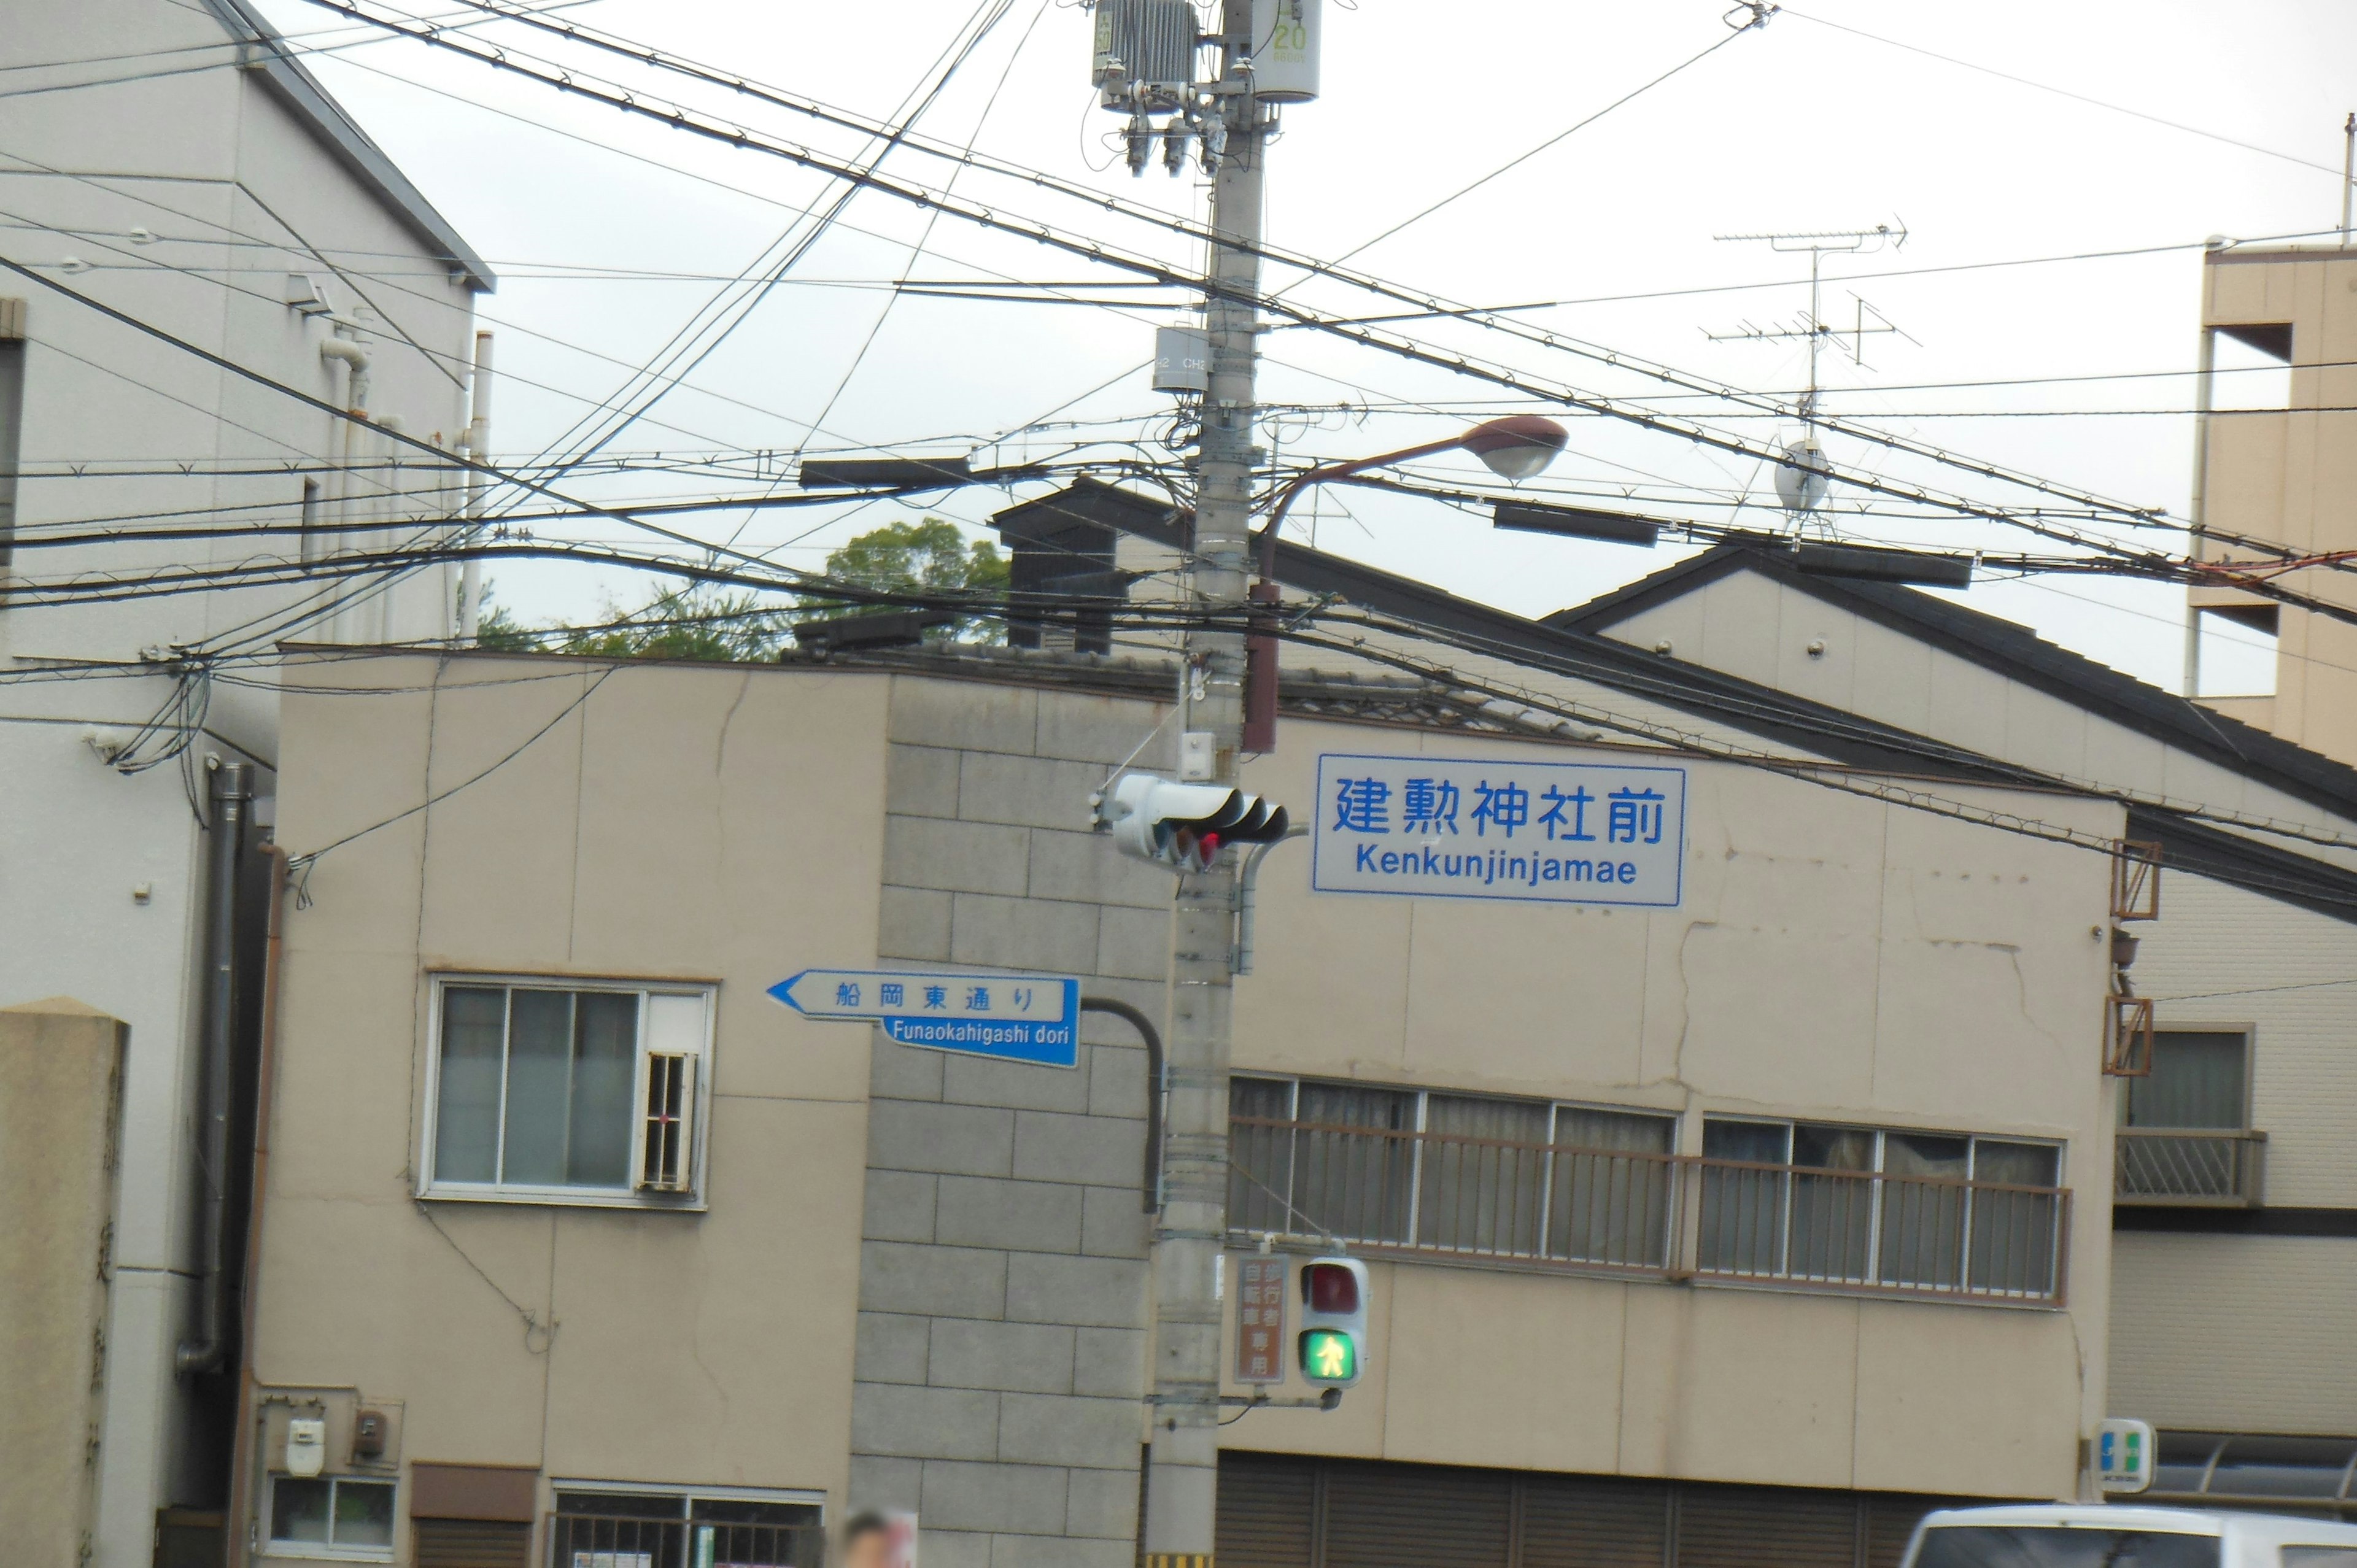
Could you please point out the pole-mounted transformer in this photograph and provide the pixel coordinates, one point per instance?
(1147, 56)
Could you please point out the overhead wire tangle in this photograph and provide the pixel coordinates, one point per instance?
(1528, 305)
(403, 437)
(925, 238)
(706, 330)
(1877, 784)
(1744, 714)
(683, 118)
(443, 361)
(696, 124)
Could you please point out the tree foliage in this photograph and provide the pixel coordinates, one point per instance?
(928, 557)
(705, 621)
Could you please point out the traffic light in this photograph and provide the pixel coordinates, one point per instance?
(1333, 1339)
(1183, 825)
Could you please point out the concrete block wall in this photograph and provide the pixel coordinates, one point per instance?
(60, 1079)
(1000, 1377)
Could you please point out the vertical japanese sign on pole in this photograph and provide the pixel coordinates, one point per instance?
(1260, 1320)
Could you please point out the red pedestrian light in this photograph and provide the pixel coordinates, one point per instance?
(1331, 1287)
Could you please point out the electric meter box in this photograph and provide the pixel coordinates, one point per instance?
(1287, 36)
(1182, 360)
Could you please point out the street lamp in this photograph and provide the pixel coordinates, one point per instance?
(1515, 448)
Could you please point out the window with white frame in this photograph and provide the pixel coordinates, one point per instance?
(567, 1091)
(339, 1517)
(1863, 1206)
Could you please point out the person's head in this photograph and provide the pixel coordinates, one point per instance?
(867, 1541)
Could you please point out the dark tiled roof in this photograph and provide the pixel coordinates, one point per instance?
(266, 53)
(2009, 649)
(1568, 644)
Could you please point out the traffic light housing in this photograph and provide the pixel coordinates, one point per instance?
(1183, 826)
(1332, 1348)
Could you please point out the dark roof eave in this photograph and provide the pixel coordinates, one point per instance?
(1762, 711)
(2014, 652)
(266, 53)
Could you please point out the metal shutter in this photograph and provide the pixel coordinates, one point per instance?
(1890, 1521)
(1593, 1522)
(1268, 1511)
(471, 1543)
(1765, 1527)
(1415, 1516)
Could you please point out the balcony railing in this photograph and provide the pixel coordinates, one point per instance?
(602, 1541)
(2225, 1168)
(1451, 1198)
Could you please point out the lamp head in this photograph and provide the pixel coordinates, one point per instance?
(1517, 446)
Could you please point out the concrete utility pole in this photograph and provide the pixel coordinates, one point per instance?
(1182, 1483)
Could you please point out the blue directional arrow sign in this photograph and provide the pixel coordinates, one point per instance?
(1014, 1017)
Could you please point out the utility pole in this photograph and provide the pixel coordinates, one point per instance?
(1182, 1481)
(2348, 170)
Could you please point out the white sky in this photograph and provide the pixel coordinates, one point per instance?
(1801, 126)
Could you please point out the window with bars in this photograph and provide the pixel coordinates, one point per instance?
(2187, 1137)
(609, 1526)
(1458, 1173)
(1807, 1202)
(571, 1092)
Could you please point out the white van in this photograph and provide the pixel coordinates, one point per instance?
(2075, 1535)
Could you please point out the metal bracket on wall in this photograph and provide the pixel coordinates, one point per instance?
(2128, 1036)
(2136, 880)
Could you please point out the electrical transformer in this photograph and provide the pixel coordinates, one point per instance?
(1146, 54)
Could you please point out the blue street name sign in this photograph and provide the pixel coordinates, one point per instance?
(1547, 833)
(1015, 1017)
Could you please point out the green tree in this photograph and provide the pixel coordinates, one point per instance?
(706, 621)
(694, 620)
(928, 557)
(496, 627)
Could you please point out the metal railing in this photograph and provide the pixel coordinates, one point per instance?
(1450, 1197)
(602, 1541)
(2194, 1167)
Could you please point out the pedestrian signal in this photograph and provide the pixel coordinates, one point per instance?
(1332, 1345)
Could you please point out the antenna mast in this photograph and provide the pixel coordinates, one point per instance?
(1804, 478)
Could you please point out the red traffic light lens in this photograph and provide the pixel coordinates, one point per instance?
(1328, 1288)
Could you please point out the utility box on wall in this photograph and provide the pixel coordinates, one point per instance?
(60, 1072)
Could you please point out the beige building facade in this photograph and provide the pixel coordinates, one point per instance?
(2276, 465)
(2234, 1241)
(574, 1240)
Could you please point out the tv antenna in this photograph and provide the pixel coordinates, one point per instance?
(1803, 478)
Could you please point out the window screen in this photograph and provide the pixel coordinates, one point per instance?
(2197, 1080)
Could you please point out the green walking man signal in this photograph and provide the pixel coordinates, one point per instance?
(1332, 1345)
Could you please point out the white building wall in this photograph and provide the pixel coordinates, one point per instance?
(233, 188)
(2235, 1333)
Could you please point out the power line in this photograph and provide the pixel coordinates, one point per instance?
(2066, 92)
(683, 118)
(1759, 15)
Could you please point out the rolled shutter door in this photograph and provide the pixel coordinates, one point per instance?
(472, 1543)
(1765, 1527)
(1890, 1521)
(1588, 1521)
(1417, 1516)
(1268, 1511)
